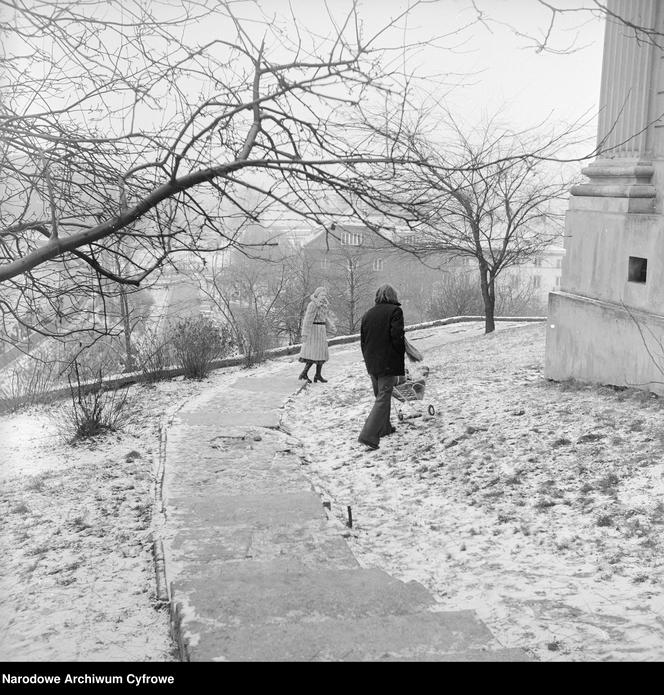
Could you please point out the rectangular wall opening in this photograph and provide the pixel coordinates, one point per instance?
(637, 270)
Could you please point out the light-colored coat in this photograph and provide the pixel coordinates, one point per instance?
(315, 325)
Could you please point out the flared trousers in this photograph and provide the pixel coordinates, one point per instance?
(378, 423)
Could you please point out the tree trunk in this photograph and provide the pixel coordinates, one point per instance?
(351, 300)
(487, 282)
(129, 354)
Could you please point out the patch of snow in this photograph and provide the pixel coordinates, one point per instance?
(77, 578)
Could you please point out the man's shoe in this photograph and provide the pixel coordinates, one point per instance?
(371, 446)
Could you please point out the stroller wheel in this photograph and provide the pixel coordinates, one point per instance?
(432, 410)
(399, 416)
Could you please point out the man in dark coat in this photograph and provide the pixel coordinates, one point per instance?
(383, 346)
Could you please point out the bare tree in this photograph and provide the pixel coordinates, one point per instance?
(561, 29)
(349, 280)
(246, 296)
(457, 293)
(517, 296)
(301, 279)
(489, 197)
(133, 132)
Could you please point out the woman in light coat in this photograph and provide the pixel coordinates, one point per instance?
(316, 322)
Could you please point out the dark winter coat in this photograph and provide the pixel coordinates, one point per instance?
(382, 340)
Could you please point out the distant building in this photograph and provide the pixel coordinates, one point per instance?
(541, 273)
(380, 259)
(353, 261)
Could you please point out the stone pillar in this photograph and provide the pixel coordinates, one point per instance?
(628, 69)
(628, 133)
(607, 323)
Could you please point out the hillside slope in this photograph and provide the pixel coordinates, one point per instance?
(539, 505)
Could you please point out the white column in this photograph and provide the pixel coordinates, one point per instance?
(628, 135)
(627, 81)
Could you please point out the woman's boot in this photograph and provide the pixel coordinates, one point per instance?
(305, 372)
(319, 376)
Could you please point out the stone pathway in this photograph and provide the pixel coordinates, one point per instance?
(257, 569)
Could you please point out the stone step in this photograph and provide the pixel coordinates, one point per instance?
(225, 467)
(472, 655)
(286, 591)
(259, 571)
(259, 511)
(259, 409)
(313, 544)
(222, 480)
(422, 636)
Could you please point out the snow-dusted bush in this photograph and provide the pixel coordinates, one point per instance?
(94, 410)
(255, 335)
(25, 384)
(154, 356)
(196, 342)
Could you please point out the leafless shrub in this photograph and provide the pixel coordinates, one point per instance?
(255, 335)
(455, 294)
(36, 483)
(26, 386)
(196, 342)
(94, 410)
(459, 294)
(154, 356)
(249, 297)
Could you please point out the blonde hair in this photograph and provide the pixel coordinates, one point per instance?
(320, 293)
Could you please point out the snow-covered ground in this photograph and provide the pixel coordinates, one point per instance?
(539, 505)
(77, 577)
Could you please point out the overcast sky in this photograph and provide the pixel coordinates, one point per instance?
(504, 71)
(533, 85)
(495, 68)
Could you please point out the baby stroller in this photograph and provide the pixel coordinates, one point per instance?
(409, 389)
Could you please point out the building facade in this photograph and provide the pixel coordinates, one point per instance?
(606, 323)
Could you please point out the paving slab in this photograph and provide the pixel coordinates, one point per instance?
(260, 511)
(258, 593)
(220, 478)
(470, 655)
(423, 636)
(234, 414)
(313, 545)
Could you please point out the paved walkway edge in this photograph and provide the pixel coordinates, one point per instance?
(161, 582)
